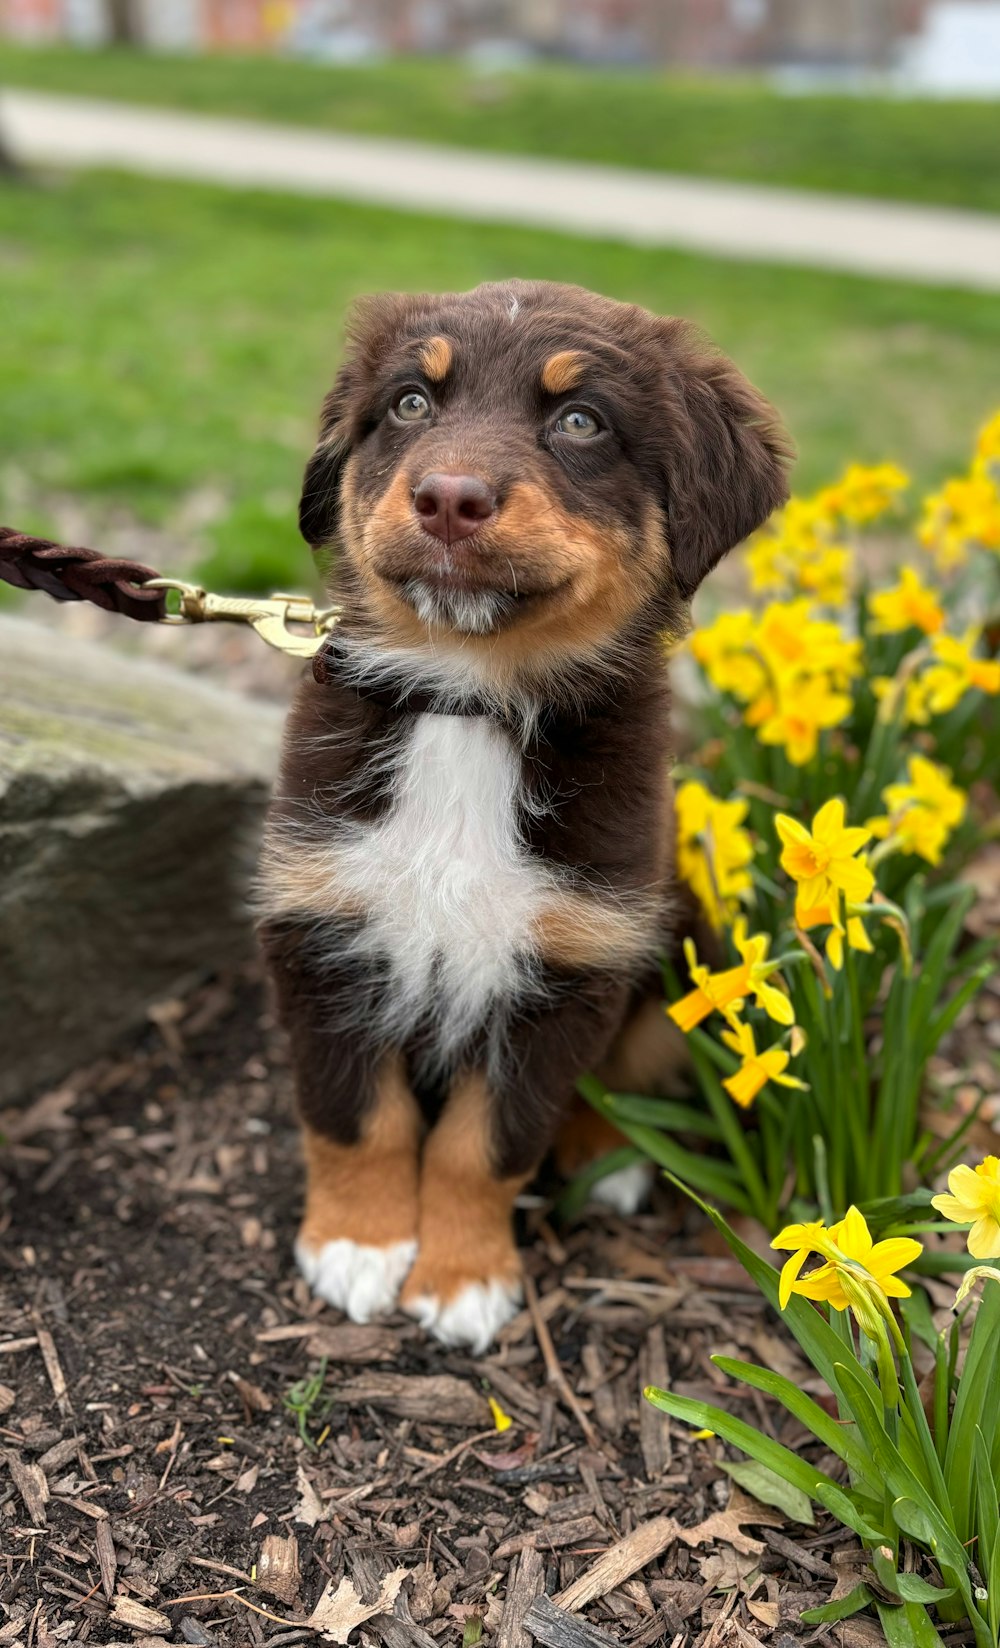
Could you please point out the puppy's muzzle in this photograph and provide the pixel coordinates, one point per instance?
(453, 507)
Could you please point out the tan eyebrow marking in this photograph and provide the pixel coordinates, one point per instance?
(436, 358)
(563, 371)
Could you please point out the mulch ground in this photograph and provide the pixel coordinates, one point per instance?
(171, 1477)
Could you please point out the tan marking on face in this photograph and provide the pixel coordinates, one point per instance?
(299, 878)
(579, 930)
(367, 1192)
(436, 356)
(563, 371)
(466, 1235)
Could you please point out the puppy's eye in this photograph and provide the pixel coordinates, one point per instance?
(411, 406)
(581, 425)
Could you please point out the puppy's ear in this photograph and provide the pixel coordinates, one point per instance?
(726, 469)
(319, 504)
(375, 327)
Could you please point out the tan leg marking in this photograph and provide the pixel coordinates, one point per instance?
(466, 1280)
(359, 1233)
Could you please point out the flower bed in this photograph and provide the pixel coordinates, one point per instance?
(848, 773)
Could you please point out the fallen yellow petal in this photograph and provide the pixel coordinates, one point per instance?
(502, 1421)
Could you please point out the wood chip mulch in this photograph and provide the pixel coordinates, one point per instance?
(168, 1474)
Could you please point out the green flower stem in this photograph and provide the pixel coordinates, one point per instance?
(861, 1092)
(735, 1139)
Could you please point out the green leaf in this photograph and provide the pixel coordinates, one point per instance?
(770, 1489)
(914, 1589)
(987, 1514)
(884, 1564)
(838, 1438)
(908, 1587)
(885, 1212)
(843, 1608)
(668, 1113)
(842, 1506)
(914, 1522)
(899, 1479)
(908, 1627)
(821, 1344)
(777, 1458)
(975, 1404)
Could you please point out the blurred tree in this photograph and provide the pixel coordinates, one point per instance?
(123, 22)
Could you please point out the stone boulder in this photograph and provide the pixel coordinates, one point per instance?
(131, 797)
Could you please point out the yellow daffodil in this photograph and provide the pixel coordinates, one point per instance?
(726, 992)
(955, 670)
(713, 850)
(725, 652)
(790, 637)
(713, 992)
(864, 492)
(797, 552)
(988, 443)
(804, 1240)
(974, 1199)
(795, 715)
(910, 604)
(826, 575)
(922, 812)
(790, 668)
(823, 861)
(965, 512)
(850, 1256)
(828, 915)
(756, 1069)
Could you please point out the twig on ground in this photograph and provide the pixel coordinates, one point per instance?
(556, 1377)
(226, 1596)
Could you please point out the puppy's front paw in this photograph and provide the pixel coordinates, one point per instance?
(361, 1280)
(460, 1310)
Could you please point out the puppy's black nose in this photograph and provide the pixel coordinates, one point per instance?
(453, 506)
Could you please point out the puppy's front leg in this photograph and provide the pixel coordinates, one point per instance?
(361, 1133)
(466, 1281)
(496, 1127)
(358, 1236)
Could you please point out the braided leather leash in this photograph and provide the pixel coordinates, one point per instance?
(77, 574)
(136, 591)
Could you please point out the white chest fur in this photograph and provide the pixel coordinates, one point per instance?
(450, 893)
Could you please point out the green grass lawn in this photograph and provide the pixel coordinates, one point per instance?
(733, 128)
(166, 346)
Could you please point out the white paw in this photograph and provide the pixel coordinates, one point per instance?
(361, 1281)
(625, 1190)
(473, 1318)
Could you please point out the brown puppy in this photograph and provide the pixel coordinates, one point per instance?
(467, 875)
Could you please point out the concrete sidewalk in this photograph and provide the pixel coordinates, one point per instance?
(931, 244)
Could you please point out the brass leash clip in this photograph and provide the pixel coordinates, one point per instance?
(270, 616)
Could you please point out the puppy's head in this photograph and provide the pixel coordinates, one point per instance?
(531, 470)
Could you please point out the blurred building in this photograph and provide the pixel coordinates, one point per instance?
(816, 34)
